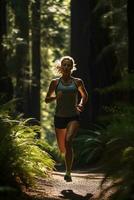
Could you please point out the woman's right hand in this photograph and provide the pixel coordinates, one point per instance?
(59, 94)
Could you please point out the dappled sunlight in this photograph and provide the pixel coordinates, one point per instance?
(47, 108)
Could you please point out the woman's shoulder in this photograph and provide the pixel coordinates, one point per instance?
(78, 81)
(54, 81)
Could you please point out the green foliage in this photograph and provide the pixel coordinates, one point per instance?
(126, 84)
(118, 158)
(121, 94)
(55, 26)
(113, 147)
(52, 150)
(90, 145)
(118, 29)
(55, 42)
(21, 159)
(114, 19)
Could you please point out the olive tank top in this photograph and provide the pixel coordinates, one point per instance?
(66, 104)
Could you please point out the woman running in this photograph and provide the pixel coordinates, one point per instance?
(65, 91)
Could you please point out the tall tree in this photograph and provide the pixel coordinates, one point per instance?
(22, 54)
(36, 63)
(6, 88)
(90, 46)
(130, 20)
(130, 16)
(101, 55)
(80, 46)
(3, 31)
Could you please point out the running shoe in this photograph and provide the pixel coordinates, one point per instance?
(68, 178)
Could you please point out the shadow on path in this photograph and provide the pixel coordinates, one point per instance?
(70, 195)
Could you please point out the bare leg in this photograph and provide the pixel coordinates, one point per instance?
(72, 129)
(61, 135)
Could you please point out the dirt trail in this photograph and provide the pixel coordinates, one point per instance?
(85, 186)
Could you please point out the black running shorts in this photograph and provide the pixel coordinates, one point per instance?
(62, 122)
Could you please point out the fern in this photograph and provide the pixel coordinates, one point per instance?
(20, 155)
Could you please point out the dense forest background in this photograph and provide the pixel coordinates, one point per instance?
(99, 35)
(34, 34)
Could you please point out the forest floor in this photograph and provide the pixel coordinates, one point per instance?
(85, 185)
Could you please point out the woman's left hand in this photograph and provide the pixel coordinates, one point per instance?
(80, 107)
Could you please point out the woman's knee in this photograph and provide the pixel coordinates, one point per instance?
(72, 129)
(68, 141)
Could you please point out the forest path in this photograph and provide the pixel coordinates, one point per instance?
(84, 186)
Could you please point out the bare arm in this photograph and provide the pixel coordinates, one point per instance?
(83, 93)
(50, 94)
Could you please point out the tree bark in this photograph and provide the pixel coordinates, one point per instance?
(96, 63)
(80, 48)
(22, 56)
(6, 87)
(130, 17)
(36, 63)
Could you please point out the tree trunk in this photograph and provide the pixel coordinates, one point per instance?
(95, 62)
(3, 32)
(6, 87)
(22, 55)
(130, 16)
(36, 63)
(130, 20)
(80, 48)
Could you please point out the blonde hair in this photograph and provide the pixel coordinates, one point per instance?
(58, 68)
